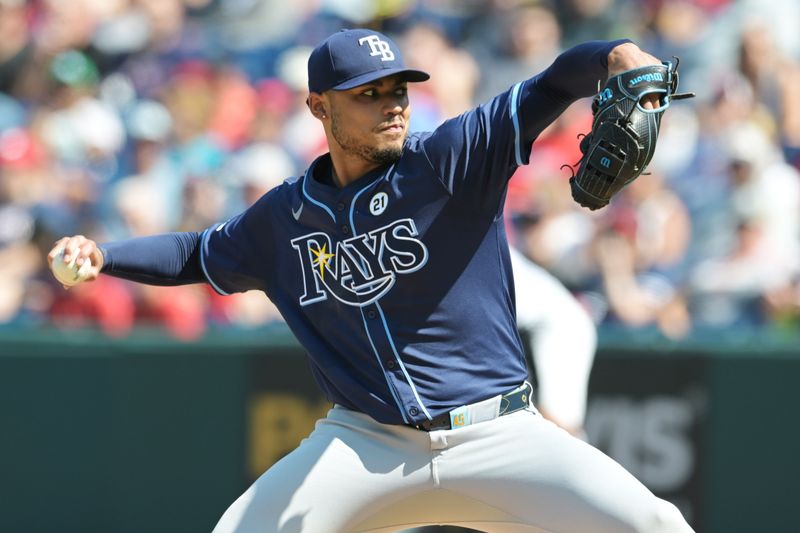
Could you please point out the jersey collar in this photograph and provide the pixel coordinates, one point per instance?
(326, 195)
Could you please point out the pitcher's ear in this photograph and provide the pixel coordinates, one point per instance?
(317, 105)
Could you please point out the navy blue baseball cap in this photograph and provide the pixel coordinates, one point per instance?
(350, 58)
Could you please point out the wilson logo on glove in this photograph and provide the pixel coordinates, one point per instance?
(656, 76)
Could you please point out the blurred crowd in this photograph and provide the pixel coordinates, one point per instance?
(122, 118)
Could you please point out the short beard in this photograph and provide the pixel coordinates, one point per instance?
(379, 156)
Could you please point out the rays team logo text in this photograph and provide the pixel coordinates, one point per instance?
(359, 270)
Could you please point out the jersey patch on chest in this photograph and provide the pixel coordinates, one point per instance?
(378, 203)
(359, 270)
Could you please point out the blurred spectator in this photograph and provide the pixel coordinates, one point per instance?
(763, 208)
(259, 168)
(774, 78)
(635, 299)
(20, 259)
(662, 225)
(518, 42)
(556, 235)
(106, 304)
(16, 47)
(728, 290)
(766, 189)
(451, 91)
(680, 28)
(677, 142)
(80, 128)
(255, 33)
(275, 101)
(181, 310)
(302, 133)
(149, 128)
(235, 109)
(585, 20)
(641, 256)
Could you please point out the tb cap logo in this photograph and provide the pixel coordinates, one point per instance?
(378, 47)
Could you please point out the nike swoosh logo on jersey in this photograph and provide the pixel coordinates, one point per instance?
(296, 214)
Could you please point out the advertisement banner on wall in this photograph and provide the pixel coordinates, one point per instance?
(649, 414)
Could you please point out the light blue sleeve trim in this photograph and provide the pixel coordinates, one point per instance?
(515, 119)
(203, 242)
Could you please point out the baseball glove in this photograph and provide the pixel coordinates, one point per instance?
(624, 133)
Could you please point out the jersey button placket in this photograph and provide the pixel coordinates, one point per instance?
(379, 335)
(342, 215)
(391, 366)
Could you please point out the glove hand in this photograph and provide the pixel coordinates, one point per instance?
(628, 56)
(627, 118)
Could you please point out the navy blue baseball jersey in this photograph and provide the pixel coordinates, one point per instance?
(399, 285)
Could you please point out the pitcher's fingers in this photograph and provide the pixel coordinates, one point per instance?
(57, 246)
(84, 251)
(651, 101)
(73, 247)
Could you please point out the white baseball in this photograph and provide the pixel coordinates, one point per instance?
(70, 274)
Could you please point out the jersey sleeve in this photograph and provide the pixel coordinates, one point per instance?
(235, 255)
(167, 259)
(481, 148)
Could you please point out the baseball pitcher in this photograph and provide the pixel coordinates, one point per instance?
(389, 261)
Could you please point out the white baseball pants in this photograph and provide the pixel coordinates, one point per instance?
(518, 473)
